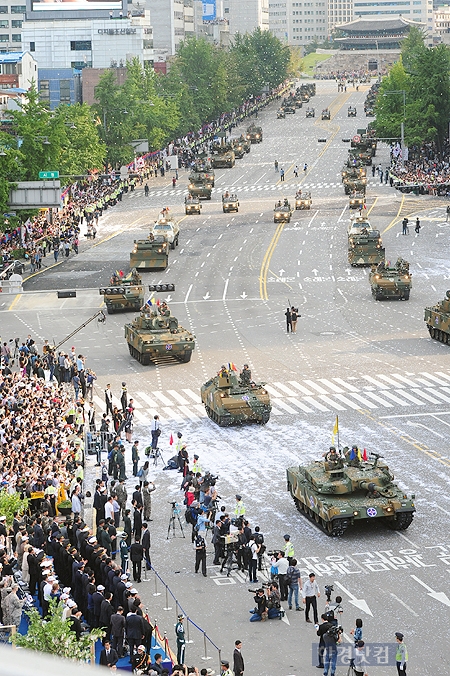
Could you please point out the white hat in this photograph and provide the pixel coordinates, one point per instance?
(100, 587)
(51, 578)
(141, 647)
(121, 533)
(71, 604)
(2, 518)
(133, 591)
(124, 577)
(67, 590)
(128, 585)
(92, 539)
(64, 597)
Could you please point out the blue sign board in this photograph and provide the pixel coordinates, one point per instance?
(209, 10)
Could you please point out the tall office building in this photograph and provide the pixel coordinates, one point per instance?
(11, 19)
(244, 17)
(298, 23)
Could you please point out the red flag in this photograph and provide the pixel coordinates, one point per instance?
(158, 302)
(171, 440)
(364, 456)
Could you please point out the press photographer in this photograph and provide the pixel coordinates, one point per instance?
(331, 638)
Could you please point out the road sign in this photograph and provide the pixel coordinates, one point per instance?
(49, 174)
(357, 138)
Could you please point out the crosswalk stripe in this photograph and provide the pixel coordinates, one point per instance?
(382, 386)
(332, 403)
(286, 407)
(404, 380)
(181, 400)
(375, 397)
(148, 400)
(201, 410)
(195, 397)
(162, 398)
(316, 404)
(391, 381)
(332, 386)
(299, 387)
(300, 405)
(446, 389)
(143, 418)
(389, 395)
(428, 397)
(283, 388)
(439, 395)
(409, 396)
(99, 402)
(363, 400)
(433, 378)
(188, 413)
(350, 403)
(422, 381)
(273, 392)
(171, 414)
(275, 411)
(316, 387)
(350, 388)
(443, 375)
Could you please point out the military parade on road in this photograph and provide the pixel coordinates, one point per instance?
(299, 454)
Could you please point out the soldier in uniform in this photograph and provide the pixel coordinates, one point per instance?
(123, 548)
(181, 640)
(246, 375)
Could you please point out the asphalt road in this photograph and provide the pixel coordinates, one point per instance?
(372, 363)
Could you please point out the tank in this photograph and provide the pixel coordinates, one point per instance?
(365, 156)
(282, 212)
(336, 494)
(298, 102)
(326, 115)
(192, 205)
(254, 134)
(202, 166)
(238, 149)
(303, 201)
(156, 333)
(352, 171)
(245, 142)
(437, 319)
(288, 106)
(391, 281)
(355, 185)
(230, 399)
(365, 247)
(199, 186)
(223, 156)
(310, 112)
(281, 114)
(123, 293)
(150, 254)
(230, 203)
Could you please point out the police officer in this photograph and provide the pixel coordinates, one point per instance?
(401, 655)
(288, 548)
(181, 640)
(239, 510)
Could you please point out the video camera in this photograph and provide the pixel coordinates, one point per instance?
(335, 632)
(329, 589)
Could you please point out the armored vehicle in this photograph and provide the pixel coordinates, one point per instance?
(282, 212)
(365, 144)
(245, 143)
(199, 186)
(288, 106)
(123, 293)
(230, 203)
(357, 200)
(365, 156)
(254, 134)
(238, 149)
(305, 97)
(391, 281)
(303, 200)
(335, 493)
(437, 319)
(310, 112)
(298, 103)
(192, 205)
(355, 185)
(156, 333)
(230, 399)
(204, 169)
(326, 115)
(353, 170)
(223, 156)
(351, 111)
(281, 114)
(150, 254)
(167, 227)
(365, 247)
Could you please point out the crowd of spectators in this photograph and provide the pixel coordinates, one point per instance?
(424, 172)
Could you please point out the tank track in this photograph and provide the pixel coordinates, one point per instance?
(439, 335)
(401, 521)
(225, 421)
(334, 528)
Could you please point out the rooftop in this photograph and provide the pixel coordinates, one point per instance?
(12, 57)
(377, 24)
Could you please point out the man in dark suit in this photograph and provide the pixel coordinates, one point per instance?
(238, 660)
(134, 629)
(108, 656)
(118, 630)
(137, 523)
(136, 556)
(106, 610)
(146, 544)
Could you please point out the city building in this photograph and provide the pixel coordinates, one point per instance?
(173, 21)
(17, 70)
(298, 23)
(441, 24)
(11, 19)
(244, 17)
(339, 12)
(59, 85)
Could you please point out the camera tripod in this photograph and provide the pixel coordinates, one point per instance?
(230, 559)
(174, 515)
(155, 454)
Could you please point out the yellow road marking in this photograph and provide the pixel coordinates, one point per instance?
(266, 261)
(285, 283)
(38, 272)
(17, 298)
(376, 199)
(395, 219)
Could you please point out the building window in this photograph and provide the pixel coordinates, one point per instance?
(80, 45)
(64, 91)
(44, 90)
(16, 23)
(4, 37)
(32, 46)
(17, 37)
(3, 9)
(18, 9)
(78, 65)
(4, 23)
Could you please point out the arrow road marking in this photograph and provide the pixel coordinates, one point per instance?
(207, 296)
(243, 295)
(281, 272)
(359, 603)
(438, 596)
(169, 298)
(315, 272)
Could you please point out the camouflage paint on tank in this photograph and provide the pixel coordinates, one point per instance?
(229, 400)
(437, 319)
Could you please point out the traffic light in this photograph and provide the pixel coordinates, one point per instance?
(159, 288)
(112, 291)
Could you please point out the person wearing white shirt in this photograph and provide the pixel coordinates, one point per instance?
(282, 564)
(109, 509)
(310, 594)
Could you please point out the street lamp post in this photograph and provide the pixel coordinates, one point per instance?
(402, 125)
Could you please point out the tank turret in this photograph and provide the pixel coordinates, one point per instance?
(437, 318)
(335, 494)
(156, 333)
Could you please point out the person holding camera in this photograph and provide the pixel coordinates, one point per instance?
(281, 565)
(359, 659)
(273, 601)
(321, 631)
(260, 611)
(331, 638)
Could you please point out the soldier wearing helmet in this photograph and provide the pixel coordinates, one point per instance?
(246, 375)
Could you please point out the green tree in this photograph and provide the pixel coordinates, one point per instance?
(112, 118)
(262, 60)
(11, 168)
(413, 47)
(389, 104)
(81, 148)
(10, 503)
(53, 636)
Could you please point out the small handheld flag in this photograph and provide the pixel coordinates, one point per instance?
(364, 456)
(171, 439)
